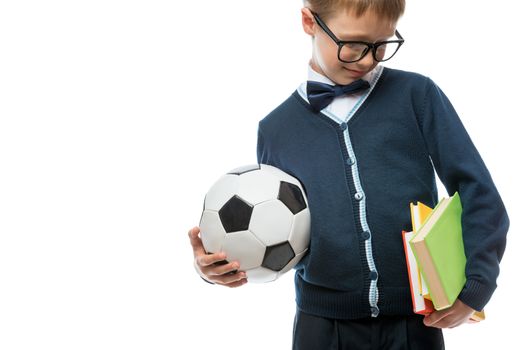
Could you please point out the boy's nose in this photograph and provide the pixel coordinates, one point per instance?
(367, 61)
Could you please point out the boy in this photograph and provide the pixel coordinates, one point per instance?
(365, 140)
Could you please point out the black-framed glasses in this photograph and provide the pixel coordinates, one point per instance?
(352, 51)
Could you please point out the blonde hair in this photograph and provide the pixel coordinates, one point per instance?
(388, 9)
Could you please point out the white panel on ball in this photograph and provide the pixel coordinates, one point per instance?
(244, 247)
(261, 275)
(299, 236)
(211, 231)
(222, 191)
(271, 222)
(257, 187)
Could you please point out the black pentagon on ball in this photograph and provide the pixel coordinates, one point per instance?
(278, 256)
(244, 169)
(292, 197)
(235, 214)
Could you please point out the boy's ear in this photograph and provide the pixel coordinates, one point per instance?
(308, 21)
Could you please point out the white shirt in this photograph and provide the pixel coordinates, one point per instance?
(341, 105)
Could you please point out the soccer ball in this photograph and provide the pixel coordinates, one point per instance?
(259, 216)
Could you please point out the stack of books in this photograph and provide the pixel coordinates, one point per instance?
(435, 256)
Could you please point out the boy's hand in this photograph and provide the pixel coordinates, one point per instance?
(454, 316)
(211, 266)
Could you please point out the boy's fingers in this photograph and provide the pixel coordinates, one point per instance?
(193, 234)
(196, 242)
(434, 318)
(205, 260)
(228, 280)
(218, 270)
(237, 283)
(214, 266)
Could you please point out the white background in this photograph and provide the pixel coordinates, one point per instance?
(116, 118)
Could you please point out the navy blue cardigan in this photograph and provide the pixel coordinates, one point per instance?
(361, 173)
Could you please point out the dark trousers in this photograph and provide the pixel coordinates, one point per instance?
(382, 333)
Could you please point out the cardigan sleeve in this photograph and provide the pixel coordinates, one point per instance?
(460, 168)
(262, 154)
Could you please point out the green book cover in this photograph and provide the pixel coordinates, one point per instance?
(439, 249)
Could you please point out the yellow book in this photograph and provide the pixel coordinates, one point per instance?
(419, 214)
(477, 316)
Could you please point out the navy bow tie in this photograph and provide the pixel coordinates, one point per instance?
(320, 95)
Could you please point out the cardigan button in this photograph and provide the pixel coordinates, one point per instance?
(365, 235)
(374, 311)
(373, 275)
(343, 126)
(350, 161)
(358, 196)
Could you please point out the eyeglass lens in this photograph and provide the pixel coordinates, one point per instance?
(354, 51)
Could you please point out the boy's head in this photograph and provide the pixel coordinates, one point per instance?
(331, 23)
